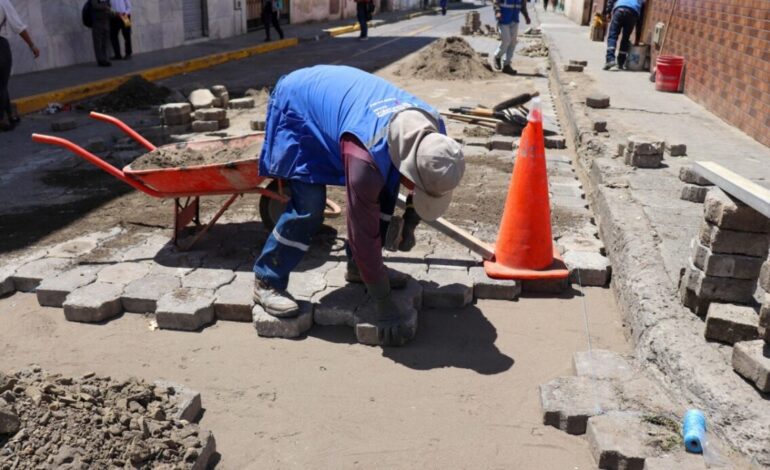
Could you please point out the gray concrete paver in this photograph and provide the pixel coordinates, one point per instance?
(273, 327)
(141, 295)
(53, 291)
(94, 303)
(185, 308)
(28, 276)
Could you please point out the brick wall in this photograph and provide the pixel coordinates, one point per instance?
(726, 44)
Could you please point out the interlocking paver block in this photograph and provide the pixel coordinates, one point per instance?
(201, 98)
(484, 287)
(729, 213)
(694, 193)
(555, 142)
(73, 248)
(579, 242)
(123, 273)
(622, 441)
(408, 300)
(305, 285)
(721, 265)
(500, 142)
(242, 103)
(203, 278)
(678, 461)
(719, 288)
(568, 402)
(210, 114)
(588, 268)
(764, 276)
(689, 298)
(235, 301)
(29, 276)
(689, 175)
(733, 242)
(643, 161)
(642, 145)
(272, 327)
(447, 288)
(185, 308)
(186, 401)
(751, 359)
(205, 126)
(729, 323)
(141, 295)
(598, 100)
(602, 364)
(94, 303)
(336, 306)
(676, 150)
(600, 126)
(6, 280)
(53, 291)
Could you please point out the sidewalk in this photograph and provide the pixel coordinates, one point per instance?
(37, 83)
(647, 229)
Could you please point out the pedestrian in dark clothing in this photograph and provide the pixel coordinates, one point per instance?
(545, 5)
(626, 15)
(101, 14)
(363, 12)
(10, 22)
(120, 23)
(270, 16)
(443, 4)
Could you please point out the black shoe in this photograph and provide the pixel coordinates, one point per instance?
(498, 61)
(104, 64)
(509, 70)
(609, 65)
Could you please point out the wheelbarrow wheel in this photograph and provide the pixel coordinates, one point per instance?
(270, 210)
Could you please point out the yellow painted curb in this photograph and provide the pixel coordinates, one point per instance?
(333, 32)
(79, 92)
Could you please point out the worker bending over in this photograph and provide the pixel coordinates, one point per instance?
(336, 125)
(624, 16)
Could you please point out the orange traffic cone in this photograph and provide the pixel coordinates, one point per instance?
(524, 248)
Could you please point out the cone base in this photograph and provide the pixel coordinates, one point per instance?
(557, 270)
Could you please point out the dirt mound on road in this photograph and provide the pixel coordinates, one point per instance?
(450, 58)
(170, 157)
(136, 93)
(95, 422)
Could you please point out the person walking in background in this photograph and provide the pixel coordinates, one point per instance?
(625, 16)
(443, 4)
(507, 14)
(120, 22)
(545, 5)
(364, 10)
(101, 13)
(270, 16)
(10, 23)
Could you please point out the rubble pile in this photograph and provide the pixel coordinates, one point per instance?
(536, 49)
(449, 58)
(49, 421)
(135, 93)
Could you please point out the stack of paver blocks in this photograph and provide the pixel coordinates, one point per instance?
(728, 258)
(472, 23)
(644, 152)
(696, 186)
(727, 255)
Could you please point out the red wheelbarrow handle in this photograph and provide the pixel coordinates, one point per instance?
(93, 159)
(124, 127)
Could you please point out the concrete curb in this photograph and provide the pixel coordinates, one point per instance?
(40, 101)
(665, 334)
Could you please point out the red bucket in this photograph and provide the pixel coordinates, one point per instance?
(668, 74)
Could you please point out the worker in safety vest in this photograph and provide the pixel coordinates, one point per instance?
(337, 125)
(507, 14)
(624, 16)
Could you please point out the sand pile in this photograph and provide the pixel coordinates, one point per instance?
(93, 422)
(136, 93)
(172, 157)
(450, 58)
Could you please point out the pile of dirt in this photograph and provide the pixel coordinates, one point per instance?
(136, 93)
(184, 157)
(93, 422)
(450, 58)
(478, 131)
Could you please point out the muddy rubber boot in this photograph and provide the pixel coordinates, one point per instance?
(396, 279)
(392, 327)
(277, 303)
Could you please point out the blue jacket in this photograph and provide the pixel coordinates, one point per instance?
(311, 108)
(635, 5)
(509, 10)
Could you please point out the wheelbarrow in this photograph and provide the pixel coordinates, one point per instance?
(186, 185)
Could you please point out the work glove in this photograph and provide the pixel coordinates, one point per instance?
(392, 328)
(411, 221)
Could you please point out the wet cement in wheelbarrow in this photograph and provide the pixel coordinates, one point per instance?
(172, 157)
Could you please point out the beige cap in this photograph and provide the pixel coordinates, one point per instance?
(432, 161)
